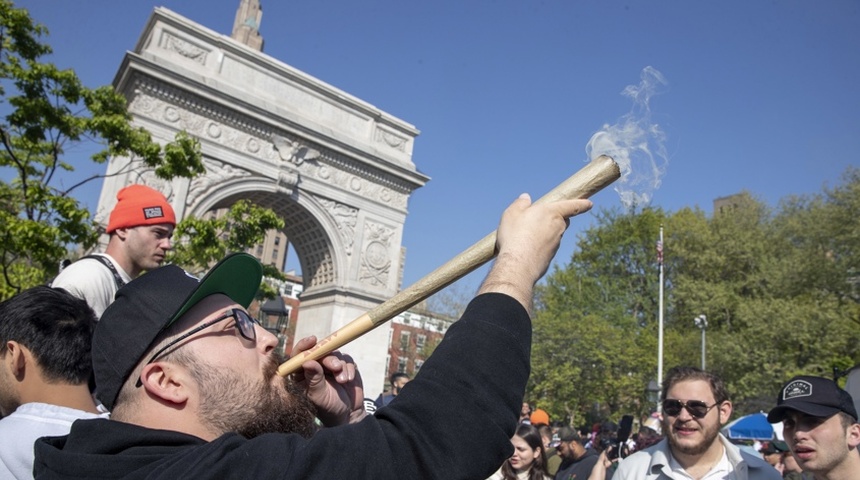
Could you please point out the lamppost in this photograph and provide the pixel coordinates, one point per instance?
(702, 322)
(652, 391)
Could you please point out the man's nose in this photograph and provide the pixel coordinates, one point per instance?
(266, 340)
(684, 415)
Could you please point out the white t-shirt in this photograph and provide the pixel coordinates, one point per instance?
(19, 431)
(90, 280)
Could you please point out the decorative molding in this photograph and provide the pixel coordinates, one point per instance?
(163, 103)
(375, 257)
(345, 217)
(292, 151)
(217, 172)
(288, 178)
(185, 48)
(390, 139)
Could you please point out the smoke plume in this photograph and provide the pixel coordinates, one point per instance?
(635, 143)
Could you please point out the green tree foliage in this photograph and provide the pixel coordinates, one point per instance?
(202, 242)
(594, 321)
(779, 289)
(48, 111)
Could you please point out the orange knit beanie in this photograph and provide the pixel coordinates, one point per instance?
(539, 416)
(140, 205)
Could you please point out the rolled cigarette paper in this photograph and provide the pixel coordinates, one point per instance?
(592, 178)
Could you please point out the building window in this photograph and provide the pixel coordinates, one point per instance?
(277, 240)
(420, 340)
(402, 362)
(418, 365)
(259, 250)
(404, 341)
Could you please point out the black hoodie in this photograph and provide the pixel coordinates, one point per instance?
(454, 420)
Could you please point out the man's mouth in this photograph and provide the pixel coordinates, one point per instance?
(803, 452)
(685, 431)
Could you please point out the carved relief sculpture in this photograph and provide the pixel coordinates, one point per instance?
(345, 217)
(375, 260)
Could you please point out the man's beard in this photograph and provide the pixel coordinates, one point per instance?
(709, 434)
(230, 403)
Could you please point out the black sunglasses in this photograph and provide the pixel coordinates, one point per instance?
(697, 408)
(244, 323)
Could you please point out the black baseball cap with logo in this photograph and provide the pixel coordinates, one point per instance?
(149, 304)
(815, 396)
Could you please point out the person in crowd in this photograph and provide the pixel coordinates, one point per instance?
(191, 381)
(539, 416)
(140, 228)
(525, 413)
(772, 453)
(45, 364)
(820, 427)
(553, 460)
(529, 459)
(576, 460)
(398, 380)
(649, 434)
(695, 405)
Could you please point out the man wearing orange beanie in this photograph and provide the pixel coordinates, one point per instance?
(140, 227)
(539, 416)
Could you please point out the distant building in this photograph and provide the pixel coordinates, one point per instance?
(413, 338)
(727, 204)
(273, 250)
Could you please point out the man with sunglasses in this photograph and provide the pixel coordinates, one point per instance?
(192, 386)
(695, 406)
(820, 427)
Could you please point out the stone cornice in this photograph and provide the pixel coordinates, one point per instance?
(211, 122)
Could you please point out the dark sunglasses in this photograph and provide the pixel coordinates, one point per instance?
(697, 408)
(244, 323)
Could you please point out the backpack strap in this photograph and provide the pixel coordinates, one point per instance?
(107, 263)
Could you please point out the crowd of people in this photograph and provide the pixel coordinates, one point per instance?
(174, 379)
(820, 429)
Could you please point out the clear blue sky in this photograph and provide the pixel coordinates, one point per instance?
(762, 96)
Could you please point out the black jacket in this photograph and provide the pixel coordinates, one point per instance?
(453, 421)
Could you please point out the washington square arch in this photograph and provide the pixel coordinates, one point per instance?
(336, 169)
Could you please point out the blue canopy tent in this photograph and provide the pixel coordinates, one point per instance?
(752, 427)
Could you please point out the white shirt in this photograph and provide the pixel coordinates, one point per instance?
(722, 470)
(92, 281)
(19, 431)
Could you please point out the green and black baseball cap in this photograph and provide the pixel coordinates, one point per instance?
(148, 305)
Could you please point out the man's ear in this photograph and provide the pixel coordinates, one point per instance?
(122, 233)
(166, 381)
(853, 435)
(725, 412)
(15, 359)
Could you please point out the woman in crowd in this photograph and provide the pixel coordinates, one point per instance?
(529, 459)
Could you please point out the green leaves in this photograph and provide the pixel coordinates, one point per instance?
(49, 111)
(779, 289)
(200, 243)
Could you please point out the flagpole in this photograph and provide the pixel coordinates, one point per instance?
(660, 321)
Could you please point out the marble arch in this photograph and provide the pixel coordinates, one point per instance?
(336, 168)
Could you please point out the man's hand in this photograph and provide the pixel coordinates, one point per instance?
(527, 239)
(601, 467)
(333, 384)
